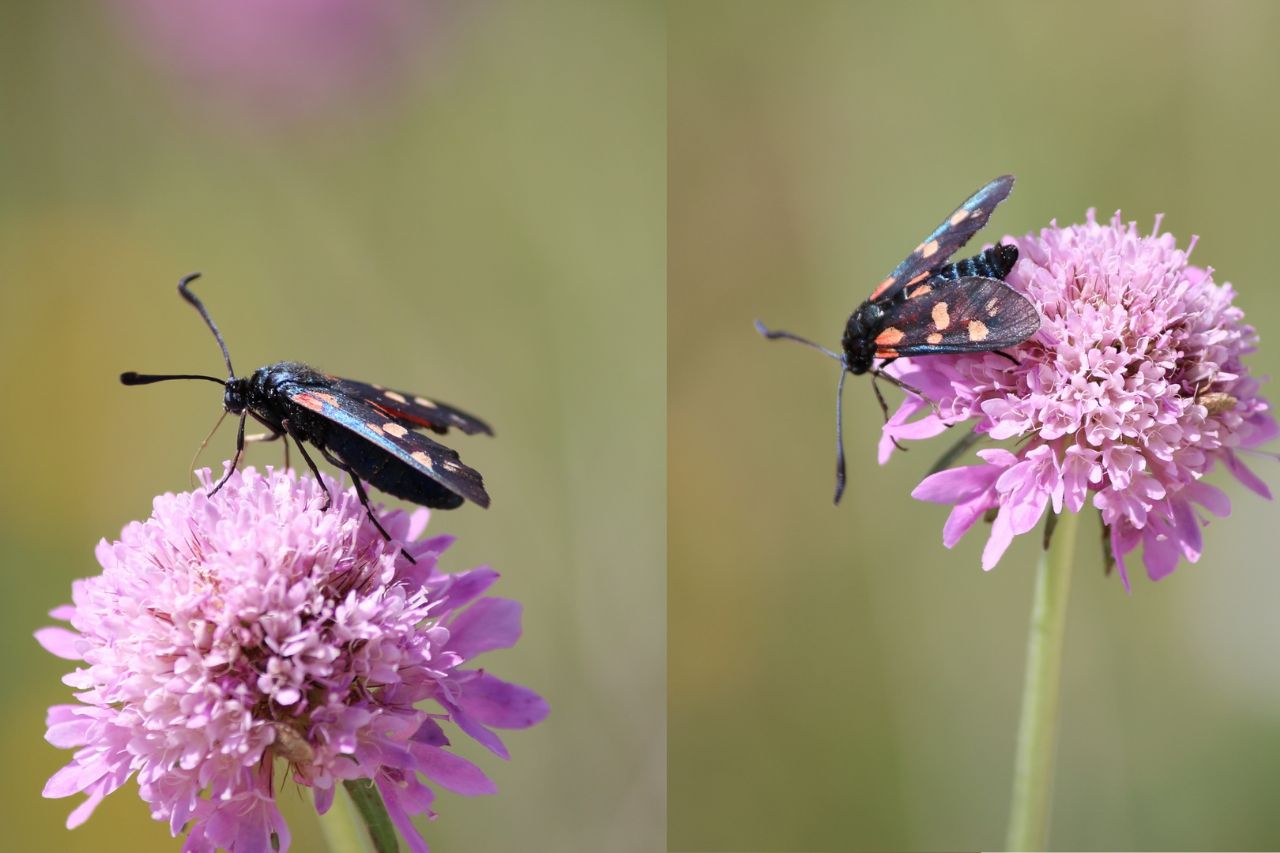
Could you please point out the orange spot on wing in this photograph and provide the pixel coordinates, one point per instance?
(889, 337)
(929, 249)
(393, 428)
(883, 286)
(941, 319)
(919, 278)
(977, 330)
(886, 353)
(959, 216)
(920, 291)
(935, 338)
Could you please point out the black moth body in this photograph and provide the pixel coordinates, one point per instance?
(365, 430)
(927, 306)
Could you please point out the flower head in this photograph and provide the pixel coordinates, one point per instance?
(226, 632)
(1128, 395)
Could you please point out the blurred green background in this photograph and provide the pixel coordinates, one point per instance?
(838, 680)
(461, 199)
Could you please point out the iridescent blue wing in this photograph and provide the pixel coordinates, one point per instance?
(414, 409)
(934, 250)
(965, 315)
(387, 434)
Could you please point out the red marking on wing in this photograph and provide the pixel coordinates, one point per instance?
(309, 400)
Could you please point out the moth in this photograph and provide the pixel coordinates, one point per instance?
(367, 431)
(929, 307)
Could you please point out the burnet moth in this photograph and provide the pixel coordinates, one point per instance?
(929, 307)
(364, 430)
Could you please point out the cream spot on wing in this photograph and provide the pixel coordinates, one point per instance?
(889, 337)
(977, 211)
(941, 319)
(929, 249)
(419, 456)
(392, 395)
(423, 401)
(977, 330)
(992, 304)
(450, 465)
(959, 216)
(920, 291)
(935, 338)
(395, 429)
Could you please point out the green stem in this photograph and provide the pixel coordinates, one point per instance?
(358, 821)
(1037, 729)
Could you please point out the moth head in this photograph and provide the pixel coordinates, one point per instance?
(235, 399)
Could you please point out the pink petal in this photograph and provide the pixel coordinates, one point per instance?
(451, 771)
(1118, 551)
(490, 623)
(499, 703)
(1250, 480)
(465, 587)
(1188, 530)
(998, 542)
(324, 798)
(956, 485)
(84, 811)
(72, 779)
(962, 517)
(481, 735)
(70, 734)
(60, 642)
(1210, 497)
(395, 811)
(1159, 553)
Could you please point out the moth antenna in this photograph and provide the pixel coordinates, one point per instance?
(132, 378)
(840, 436)
(773, 334)
(191, 478)
(184, 289)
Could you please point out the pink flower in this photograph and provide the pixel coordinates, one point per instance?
(287, 59)
(226, 632)
(1129, 394)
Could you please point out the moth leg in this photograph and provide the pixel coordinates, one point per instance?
(235, 462)
(1006, 355)
(884, 407)
(360, 492)
(364, 497)
(892, 380)
(328, 498)
(272, 434)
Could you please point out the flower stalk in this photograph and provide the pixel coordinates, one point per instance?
(1038, 726)
(359, 822)
(344, 828)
